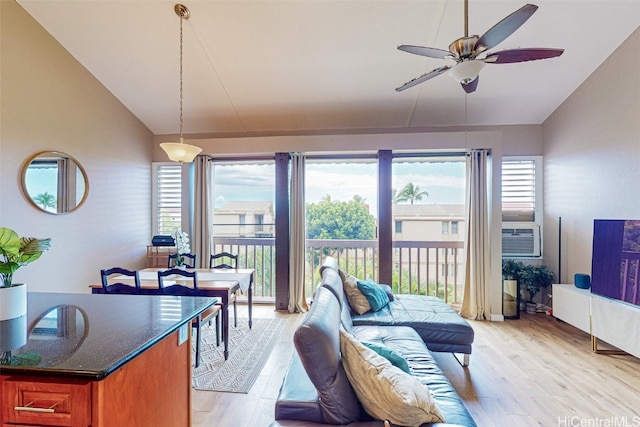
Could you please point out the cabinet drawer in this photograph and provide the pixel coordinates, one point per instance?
(46, 402)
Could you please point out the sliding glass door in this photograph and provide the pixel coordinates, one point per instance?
(244, 218)
(428, 221)
(341, 215)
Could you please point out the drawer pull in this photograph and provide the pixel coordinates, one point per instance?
(29, 408)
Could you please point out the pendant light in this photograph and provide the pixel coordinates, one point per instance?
(179, 151)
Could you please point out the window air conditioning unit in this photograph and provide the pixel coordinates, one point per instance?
(521, 239)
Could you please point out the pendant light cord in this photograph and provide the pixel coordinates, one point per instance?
(181, 90)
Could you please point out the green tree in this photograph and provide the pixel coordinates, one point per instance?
(410, 193)
(395, 196)
(45, 200)
(340, 220)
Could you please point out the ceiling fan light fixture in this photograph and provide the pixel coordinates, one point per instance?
(466, 71)
(179, 151)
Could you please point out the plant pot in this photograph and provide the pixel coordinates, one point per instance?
(13, 333)
(531, 307)
(13, 301)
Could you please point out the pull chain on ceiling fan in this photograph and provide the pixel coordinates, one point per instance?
(466, 50)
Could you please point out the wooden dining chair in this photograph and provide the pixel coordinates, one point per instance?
(226, 260)
(223, 260)
(189, 262)
(111, 285)
(184, 289)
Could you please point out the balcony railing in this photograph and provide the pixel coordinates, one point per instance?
(420, 267)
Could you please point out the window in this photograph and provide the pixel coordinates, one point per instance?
(244, 202)
(445, 227)
(167, 197)
(521, 188)
(398, 226)
(454, 227)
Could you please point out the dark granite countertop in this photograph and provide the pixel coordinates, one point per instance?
(90, 336)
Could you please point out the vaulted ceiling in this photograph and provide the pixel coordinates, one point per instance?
(319, 65)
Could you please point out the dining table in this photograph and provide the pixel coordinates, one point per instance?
(212, 282)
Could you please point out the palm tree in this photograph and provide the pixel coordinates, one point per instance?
(411, 193)
(395, 196)
(45, 200)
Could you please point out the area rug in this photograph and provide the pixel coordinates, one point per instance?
(249, 350)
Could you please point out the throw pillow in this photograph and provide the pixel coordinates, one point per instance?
(358, 302)
(376, 296)
(388, 291)
(386, 393)
(390, 354)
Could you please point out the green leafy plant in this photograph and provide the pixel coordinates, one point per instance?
(533, 278)
(16, 251)
(511, 269)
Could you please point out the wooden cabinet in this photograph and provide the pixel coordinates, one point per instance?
(44, 402)
(158, 256)
(153, 389)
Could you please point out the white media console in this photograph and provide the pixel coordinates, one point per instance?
(613, 322)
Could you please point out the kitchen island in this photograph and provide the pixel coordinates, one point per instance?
(100, 360)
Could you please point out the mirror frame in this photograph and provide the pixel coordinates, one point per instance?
(23, 182)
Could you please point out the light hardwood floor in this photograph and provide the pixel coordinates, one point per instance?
(535, 371)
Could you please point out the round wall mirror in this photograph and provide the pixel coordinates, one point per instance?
(57, 334)
(54, 182)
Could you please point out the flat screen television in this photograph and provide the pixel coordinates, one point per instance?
(615, 265)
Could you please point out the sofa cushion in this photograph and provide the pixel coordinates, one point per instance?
(317, 341)
(376, 296)
(440, 327)
(385, 391)
(357, 300)
(390, 354)
(406, 341)
(298, 397)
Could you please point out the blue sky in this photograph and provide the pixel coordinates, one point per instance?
(444, 181)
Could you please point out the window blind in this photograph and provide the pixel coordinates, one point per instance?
(169, 198)
(518, 190)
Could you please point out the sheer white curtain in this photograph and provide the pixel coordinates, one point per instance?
(203, 210)
(475, 303)
(297, 234)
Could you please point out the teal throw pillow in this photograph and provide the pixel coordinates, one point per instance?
(390, 354)
(376, 296)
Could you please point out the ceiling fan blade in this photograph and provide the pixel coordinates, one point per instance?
(431, 52)
(471, 86)
(521, 55)
(423, 78)
(505, 28)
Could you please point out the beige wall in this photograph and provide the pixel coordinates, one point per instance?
(591, 152)
(50, 102)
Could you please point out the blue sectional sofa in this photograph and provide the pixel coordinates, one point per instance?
(316, 390)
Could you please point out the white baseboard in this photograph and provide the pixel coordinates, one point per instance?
(497, 318)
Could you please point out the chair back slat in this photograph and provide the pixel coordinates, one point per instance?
(218, 260)
(178, 288)
(189, 262)
(120, 287)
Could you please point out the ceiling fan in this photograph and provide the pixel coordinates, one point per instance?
(467, 51)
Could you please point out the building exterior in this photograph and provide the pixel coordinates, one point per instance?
(244, 219)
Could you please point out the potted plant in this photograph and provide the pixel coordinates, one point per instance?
(533, 279)
(15, 252)
(511, 300)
